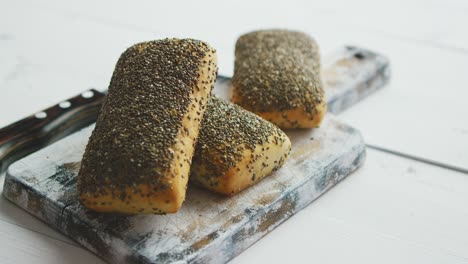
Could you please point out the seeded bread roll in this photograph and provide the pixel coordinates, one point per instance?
(139, 154)
(236, 148)
(277, 76)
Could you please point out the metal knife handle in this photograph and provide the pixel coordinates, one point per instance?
(45, 127)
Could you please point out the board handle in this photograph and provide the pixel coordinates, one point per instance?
(47, 126)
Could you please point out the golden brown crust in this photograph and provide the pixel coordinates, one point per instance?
(277, 76)
(162, 202)
(294, 118)
(236, 179)
(236, 149)
(154, 141)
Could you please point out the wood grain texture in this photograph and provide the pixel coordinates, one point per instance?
(392, 210)
(208, 228)
(427, 47)
(347, 71)
(47, 188)
(369, 218)
(32, 247)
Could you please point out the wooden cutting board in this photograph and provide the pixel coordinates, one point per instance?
(208, 228)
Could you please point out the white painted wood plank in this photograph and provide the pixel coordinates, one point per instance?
(18, 245)
(437, 23)
(391, 211)
(423, 110)
(8, 212)
(208, 229)
(12, 214)
(45, 57)
(45, 80)
(49, 57)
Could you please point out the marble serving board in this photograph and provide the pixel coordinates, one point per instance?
(209, 228)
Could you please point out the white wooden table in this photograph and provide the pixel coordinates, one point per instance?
(393, 210)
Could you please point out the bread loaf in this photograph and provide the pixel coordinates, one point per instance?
(139, 154)
(236, 148)
(277, 76)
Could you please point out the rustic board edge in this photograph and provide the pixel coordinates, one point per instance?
(261, 223)
(218, 247)
(356, 73)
